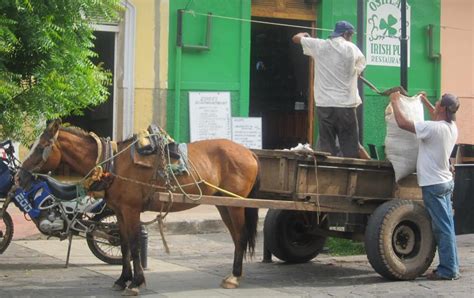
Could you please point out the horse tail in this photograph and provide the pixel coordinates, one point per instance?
(251, 220)
(251, 214)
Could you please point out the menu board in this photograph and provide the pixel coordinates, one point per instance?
(209, 115)
(247, 131)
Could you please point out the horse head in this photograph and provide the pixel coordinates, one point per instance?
(44, 155)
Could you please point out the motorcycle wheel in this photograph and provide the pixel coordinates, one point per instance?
(6, 231)
(106, 250)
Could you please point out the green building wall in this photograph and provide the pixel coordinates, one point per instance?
(223, 68)
(226, 66)
(423, 74)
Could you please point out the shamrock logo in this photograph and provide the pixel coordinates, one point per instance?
(388, 25)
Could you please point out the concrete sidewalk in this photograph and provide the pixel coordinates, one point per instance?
(198, 263)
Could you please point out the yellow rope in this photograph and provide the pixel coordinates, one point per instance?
(162, 234)
(222, 190)
(196, 183)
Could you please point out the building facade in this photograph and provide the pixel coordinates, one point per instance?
(166, 49)
(457, 61)
(239, 47)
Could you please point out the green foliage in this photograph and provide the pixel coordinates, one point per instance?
(344, 247)
(45, 61)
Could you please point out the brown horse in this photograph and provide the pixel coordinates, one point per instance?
(222, 163)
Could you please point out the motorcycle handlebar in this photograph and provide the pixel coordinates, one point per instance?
(4, 143)
(7, 146)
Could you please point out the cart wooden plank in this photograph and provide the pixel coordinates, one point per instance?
(322, 203)
(285, 174)
(303, 155)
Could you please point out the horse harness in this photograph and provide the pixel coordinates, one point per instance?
(156, 141)
(102, 175)
(106, 149)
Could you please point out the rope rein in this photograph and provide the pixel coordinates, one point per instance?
(171, 180)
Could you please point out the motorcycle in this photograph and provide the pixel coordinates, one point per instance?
(58, 210)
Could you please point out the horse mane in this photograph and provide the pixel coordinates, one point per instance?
(75, 131)
(82, 133)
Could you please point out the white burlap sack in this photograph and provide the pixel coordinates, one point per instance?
(401, 146)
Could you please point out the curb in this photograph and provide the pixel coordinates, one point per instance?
(206, 226)
(195, 227)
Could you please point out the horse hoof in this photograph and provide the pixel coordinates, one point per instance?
(230, 282)
(117, 287)
(130, 292)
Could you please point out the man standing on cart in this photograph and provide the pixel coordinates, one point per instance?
(337, 64)
(437, 140)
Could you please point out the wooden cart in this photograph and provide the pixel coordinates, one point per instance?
(312, 196)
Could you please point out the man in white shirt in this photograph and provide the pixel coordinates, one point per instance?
(337, 64)
(437, 140)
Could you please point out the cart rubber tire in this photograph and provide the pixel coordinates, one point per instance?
(399, 241)
(287, 238)
(8, 233)
(96, 249)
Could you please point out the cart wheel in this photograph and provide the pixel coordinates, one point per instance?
(288, 236)
(399, 241)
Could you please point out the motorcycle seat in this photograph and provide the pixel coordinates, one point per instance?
(62, 191)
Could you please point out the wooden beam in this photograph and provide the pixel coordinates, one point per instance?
(284, 9)
(283, 174)
(323, 158)
(322, 203)
(351, 183)
(310, 99)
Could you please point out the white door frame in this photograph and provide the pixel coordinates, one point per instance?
(123, 83)
(128, 79)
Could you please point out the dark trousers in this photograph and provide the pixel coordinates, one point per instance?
(341, 123)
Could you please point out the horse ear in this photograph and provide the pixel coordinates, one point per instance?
(53, 127)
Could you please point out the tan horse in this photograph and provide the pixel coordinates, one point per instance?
(222, 163)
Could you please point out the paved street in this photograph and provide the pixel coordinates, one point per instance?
(196, 265)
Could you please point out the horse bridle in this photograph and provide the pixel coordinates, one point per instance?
(47, 152)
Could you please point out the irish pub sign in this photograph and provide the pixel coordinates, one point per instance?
(384, 32)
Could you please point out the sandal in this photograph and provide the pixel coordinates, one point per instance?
(435, 276)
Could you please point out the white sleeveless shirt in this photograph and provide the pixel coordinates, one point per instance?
(337, 65)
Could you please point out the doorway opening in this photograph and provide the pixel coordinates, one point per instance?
(279, 84)
(100, 119)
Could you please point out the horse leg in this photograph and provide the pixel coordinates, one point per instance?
(132, 222)
(227, 221)
(126, 276)
(239, 235)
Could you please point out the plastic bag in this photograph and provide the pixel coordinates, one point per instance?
(401, 146)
